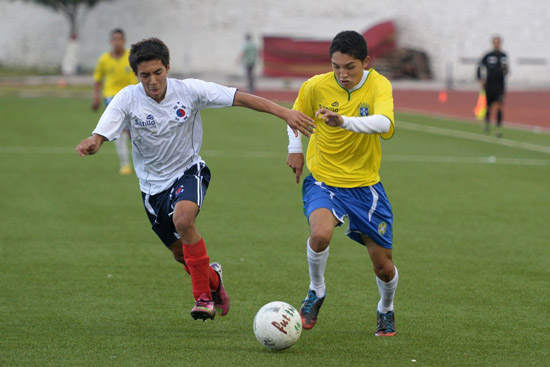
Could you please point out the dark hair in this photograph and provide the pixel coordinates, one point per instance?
(146, 50)
(349, 43)
(118, 30)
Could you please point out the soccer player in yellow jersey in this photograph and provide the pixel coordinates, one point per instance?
(353, 110)
(114, 72)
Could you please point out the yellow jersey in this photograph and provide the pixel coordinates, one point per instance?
(340, 157)
(115, 73)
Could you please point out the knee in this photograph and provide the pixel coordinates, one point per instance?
(184, 224)
(320, 240)
(385, 270)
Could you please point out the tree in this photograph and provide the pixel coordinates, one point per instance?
(71, 9)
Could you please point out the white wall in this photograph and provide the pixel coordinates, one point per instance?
(205, 36)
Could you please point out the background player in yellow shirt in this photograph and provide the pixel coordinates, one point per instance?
(353, 108)
(114, 72)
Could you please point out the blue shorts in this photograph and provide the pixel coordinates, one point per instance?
(191, 186)
(367, 208)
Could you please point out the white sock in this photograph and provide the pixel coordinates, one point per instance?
(121, 146)
(387, 291)
(317, 263)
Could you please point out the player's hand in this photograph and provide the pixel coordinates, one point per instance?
(89, 145)
(95, 104)
(296, 162)
(330, 117)
(300, 122)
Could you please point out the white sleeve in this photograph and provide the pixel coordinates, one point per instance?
(294, 142)
(375, 124)
(113, 119)
(211, 95)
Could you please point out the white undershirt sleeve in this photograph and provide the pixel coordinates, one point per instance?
(294, 142)
(375, 124)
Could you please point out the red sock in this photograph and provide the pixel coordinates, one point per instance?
(197, 261)
(203, 277)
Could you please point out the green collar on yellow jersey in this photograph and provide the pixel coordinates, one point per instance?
(358, 86)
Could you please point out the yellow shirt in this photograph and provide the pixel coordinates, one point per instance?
(340, 157)
(114, 73)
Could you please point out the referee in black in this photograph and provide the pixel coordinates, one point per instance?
(491, 72)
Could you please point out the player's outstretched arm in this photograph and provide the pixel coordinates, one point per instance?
(90, 145)
(373, 124)
(95, 102)
(295, 119)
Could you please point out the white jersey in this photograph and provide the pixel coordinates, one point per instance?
(166, 136)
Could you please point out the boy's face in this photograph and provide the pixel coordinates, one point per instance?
(348, 70)
(153, 76)
(117, 41)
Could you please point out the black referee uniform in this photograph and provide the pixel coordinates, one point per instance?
(493, 68)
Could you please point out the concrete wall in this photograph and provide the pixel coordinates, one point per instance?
(205, 37)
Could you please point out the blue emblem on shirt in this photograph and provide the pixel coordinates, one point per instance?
(363, 109)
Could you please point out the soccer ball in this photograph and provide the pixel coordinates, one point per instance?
(277, 325)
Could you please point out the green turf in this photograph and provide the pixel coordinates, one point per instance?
(85, 282)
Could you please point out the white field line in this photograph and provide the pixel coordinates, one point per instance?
(281, 155)
(243, 154)
(471, 136)
(37, 150)
(71, 150)
(475, 160)
(398, 158)
(395, 158)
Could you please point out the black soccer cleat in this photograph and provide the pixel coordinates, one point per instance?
(310, 309)
(386, 324)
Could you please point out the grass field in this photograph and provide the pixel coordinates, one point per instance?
(85, 282)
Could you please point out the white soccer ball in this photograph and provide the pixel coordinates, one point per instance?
(277, 325)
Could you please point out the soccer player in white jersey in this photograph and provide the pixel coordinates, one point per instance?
(163, 115)
(353, 106)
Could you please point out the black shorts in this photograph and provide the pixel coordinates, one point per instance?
(494, 93)
(191, 186)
